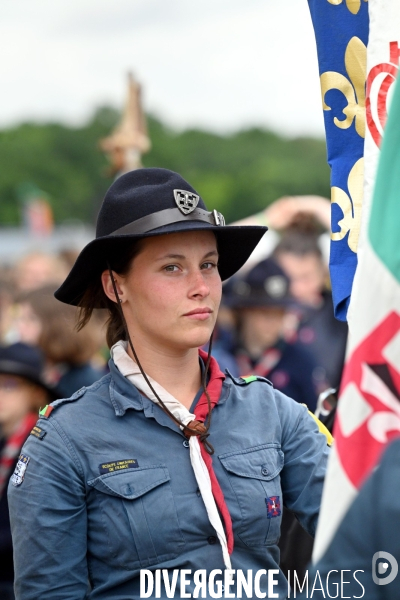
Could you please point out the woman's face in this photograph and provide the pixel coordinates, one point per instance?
(261, 327)
(18, 397)
(307, 276)
(171, 294)
(28, 324)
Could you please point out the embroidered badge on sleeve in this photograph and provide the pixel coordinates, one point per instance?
(20, 468)
(273, 506)
(38, 432)
(46, 411)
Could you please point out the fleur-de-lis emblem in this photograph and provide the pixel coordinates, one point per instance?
(353, 5)
(350, 206)
(353, 88)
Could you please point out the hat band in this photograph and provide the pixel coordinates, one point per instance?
(168, 217)
(11, 367)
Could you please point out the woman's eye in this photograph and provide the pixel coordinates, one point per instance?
(208, 265)
(170, 268)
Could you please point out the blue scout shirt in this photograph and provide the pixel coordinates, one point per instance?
(106, 488)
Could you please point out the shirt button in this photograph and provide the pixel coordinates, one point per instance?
(186, 443)
(198, 492)
(212, 540)
(264, 471)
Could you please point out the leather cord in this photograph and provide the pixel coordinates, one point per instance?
(194, 427)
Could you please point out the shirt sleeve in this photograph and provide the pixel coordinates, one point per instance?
(48, 518)
(306, 453)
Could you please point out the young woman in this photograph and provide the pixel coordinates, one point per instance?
(166, 463)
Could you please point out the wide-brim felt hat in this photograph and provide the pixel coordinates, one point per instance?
(152, 202)
(265, 285)
(25, 361)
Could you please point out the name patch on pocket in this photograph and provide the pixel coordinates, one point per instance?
(273, 506)
(118, 465)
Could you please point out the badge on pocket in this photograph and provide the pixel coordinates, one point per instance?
(273, 506)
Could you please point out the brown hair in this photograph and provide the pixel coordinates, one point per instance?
(94, 295)
(59, 340)
(38, 398)
(300, 237)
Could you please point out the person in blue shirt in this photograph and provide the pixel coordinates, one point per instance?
(166, 463)
(318, 331)
(261, 300)
(23, 389)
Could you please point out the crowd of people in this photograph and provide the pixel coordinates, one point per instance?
(42, 358)
(275, 322)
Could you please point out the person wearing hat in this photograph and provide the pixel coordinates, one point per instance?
(261, 299)
(165, 463)
(22, 392)
(316, 329)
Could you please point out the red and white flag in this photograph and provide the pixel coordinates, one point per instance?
(369, 405)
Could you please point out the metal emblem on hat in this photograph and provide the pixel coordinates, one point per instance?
(276, 286)
(242, 288)
(186, 201)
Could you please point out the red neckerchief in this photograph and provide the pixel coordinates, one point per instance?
(12, 448)
(214, 388)
(268, 361)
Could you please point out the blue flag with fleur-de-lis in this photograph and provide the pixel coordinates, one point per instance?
(341, 30)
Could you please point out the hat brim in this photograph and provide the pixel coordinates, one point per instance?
(11, 367)
(235, 244)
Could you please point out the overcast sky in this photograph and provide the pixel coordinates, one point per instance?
(217, 64)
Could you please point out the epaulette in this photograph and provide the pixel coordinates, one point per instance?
(321, 427)
(248, 379)
(45, 412)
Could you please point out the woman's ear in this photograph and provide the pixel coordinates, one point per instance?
(108, 286)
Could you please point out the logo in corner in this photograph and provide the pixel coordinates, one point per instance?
(186, 201)
(382, 568)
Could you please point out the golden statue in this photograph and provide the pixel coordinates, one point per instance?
(129, 140)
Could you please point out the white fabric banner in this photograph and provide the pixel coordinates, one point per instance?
(367, 310)
(382, 67)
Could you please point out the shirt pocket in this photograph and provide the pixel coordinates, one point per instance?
(139, 514)
(254, 475)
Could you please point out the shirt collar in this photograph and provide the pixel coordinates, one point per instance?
(124, 395)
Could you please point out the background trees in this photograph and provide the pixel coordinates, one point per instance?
(238, 174)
